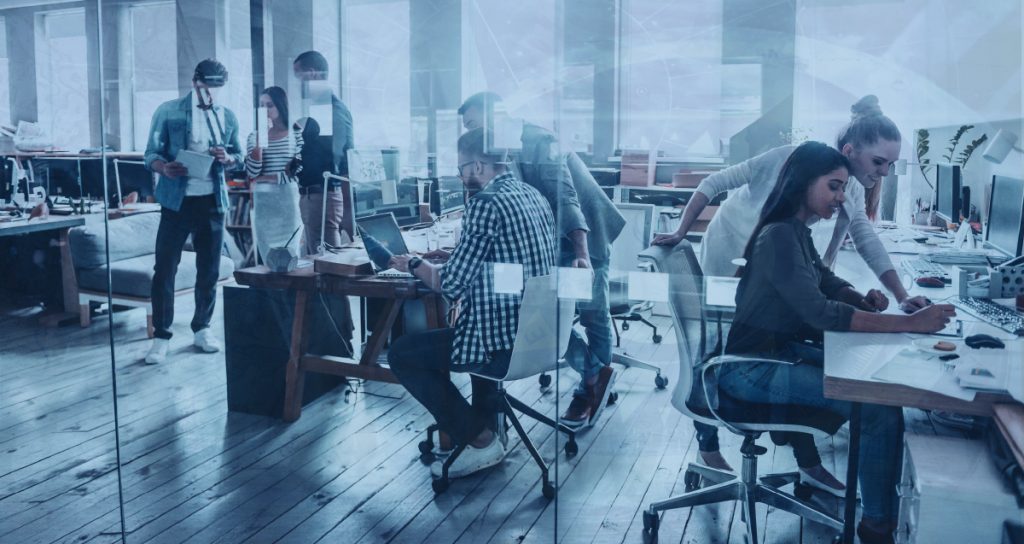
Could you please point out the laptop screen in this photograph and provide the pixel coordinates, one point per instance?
(384, 229)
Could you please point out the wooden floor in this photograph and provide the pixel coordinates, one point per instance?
(347, 471)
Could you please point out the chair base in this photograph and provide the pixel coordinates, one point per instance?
(507, 406)
(725, 486)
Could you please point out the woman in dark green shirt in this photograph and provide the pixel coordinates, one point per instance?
(787, 297)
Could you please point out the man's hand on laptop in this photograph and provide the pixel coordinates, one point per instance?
(437, 255)
(400, 262)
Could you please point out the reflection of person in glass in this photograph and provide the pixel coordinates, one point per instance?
(506, 221)
(191, 202)
(312, 66)
(275, 195)
(588, 222)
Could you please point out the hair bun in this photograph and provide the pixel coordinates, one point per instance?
(866, 107)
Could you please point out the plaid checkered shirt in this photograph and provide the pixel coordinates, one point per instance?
(507, 222)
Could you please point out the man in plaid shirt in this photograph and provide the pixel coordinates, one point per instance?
(507, 227)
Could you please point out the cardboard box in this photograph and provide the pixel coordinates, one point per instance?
(687, 179)
(347, 262)
(637, 169)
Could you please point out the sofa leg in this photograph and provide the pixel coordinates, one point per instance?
(84, 315)
(149, 326)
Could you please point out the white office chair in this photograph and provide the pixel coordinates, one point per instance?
(696, 395)
(541, 340)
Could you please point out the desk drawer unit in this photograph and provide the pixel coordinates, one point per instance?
(950, 491)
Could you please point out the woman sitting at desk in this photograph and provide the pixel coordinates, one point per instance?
(275, 196)
(787, 295)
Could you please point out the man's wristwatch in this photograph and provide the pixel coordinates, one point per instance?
(413, 263)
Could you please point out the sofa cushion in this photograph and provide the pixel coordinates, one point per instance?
(134, 277)
(132, 236)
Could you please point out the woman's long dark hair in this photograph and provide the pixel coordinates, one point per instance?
(808, 162)
(280, 100)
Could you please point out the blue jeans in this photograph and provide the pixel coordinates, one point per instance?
(802, 384)
(588, 357)
(422, 362)
(199, 217)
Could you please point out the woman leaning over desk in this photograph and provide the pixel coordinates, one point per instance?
(275, 195)
(871, 143)
(786, 295)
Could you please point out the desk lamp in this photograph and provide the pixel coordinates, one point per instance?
(1000, 146)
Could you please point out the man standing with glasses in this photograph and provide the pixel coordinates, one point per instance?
(191, 202)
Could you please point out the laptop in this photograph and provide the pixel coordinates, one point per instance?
(382, 239)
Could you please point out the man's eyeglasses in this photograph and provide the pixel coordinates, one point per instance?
(463, 166)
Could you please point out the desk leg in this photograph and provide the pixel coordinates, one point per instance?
(850, 516)
(434, 306)
(294, 376)
(69, 285)
(381, 330)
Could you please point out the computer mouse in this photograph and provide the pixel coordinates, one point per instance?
(978, 341)
(930, 281)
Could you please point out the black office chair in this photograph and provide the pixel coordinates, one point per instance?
(696, 395)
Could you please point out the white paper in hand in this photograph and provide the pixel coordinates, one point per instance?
(198, 164)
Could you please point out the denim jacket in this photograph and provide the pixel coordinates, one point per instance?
(169, 134)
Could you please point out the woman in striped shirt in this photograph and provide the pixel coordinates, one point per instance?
(275, 195)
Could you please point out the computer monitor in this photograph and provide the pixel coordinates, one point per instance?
(1005, 229)
(947, 192)
(387, 196)
(447, 195)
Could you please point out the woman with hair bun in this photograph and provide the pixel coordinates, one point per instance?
(871, 143)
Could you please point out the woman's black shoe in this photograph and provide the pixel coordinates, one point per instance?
(868, 535)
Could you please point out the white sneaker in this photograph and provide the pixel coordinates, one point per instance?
(157, 351)
(472, 460)
(206, 341)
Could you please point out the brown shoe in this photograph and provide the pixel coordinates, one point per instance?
(600, 391)
(577, 414)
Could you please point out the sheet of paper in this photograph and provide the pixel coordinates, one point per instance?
(575, 283)
(921, 370)
(508, 278)
(198, 164)
(262, 127)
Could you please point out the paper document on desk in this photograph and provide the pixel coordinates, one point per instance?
(198, 164)
(984, 374)
(925, 371)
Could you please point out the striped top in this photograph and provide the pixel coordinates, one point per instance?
(276, 155)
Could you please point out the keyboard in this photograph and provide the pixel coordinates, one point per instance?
(919, 268)
(958, 256)
(994, 314)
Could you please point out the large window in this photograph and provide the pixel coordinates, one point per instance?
(510, 48)
(670, 90)
(61, 75)
(375, 83)
(5, 77)
(152, 58)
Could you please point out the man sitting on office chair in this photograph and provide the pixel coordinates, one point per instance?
(507, 222)
(190, 202)
(588, 223)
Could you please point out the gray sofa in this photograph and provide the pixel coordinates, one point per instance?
(133, 239)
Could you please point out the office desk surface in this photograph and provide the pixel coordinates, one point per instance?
(53, 222)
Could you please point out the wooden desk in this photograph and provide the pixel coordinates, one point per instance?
(851, 359)
(69, 283)
(306, 283)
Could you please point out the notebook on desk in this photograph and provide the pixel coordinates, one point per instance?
(382, 239)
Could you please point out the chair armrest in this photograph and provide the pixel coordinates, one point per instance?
(711, 395)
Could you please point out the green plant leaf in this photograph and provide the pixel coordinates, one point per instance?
(965, 155)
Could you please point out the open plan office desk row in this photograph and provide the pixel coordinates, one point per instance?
(306, 283)
(853, 359)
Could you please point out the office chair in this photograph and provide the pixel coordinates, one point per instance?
(633, 240)
(541, 340)
(696, 395)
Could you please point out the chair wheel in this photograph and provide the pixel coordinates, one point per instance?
(571, 448)
(440, 485)
(661, 382)
(651, 523)
(656, 338)
(803, 491)
(613, 397)
(426, 447)
(548, 490)
(544, 380)
(691, 481)
(625, 326)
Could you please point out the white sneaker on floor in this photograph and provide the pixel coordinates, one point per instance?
(472, 460)
(157, 351)
(206, 341)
